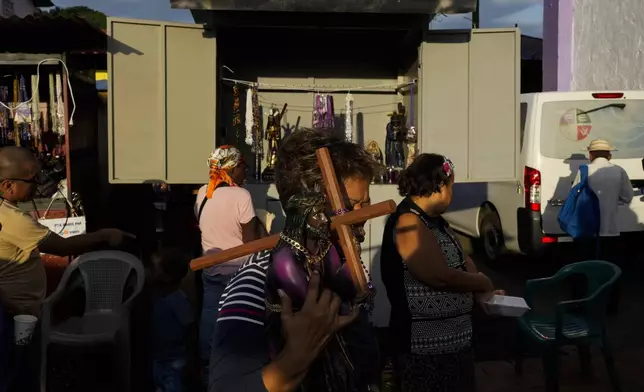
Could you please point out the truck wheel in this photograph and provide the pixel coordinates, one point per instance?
(491, 242)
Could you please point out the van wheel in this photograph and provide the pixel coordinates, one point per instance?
(491, 242)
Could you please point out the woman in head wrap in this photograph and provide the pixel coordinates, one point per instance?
(226, 219)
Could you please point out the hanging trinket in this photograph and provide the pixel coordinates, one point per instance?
(329, 115)
(35, 111)
(16, 102)
(23, 115)
(411, 138)
(52, 104)
(236, 113)
(319, 103)
(257, 134)
(4, 115)
(249, 120)
(273, 136)
(348, 119)
(376, 153)
(60, 109)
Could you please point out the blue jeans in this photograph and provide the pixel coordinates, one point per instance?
(168, 375)
(213, 288)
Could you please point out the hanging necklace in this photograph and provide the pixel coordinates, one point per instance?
(236, 112)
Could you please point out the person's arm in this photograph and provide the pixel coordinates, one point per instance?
(470, 266)
(252, 227)
(626, 189)
(419, 249)
(75, 245)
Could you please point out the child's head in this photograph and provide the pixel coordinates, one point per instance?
(170, 266)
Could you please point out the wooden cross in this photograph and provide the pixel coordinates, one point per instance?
(340, 223)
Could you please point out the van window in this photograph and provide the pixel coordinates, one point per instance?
(524, 116)
(567, 127)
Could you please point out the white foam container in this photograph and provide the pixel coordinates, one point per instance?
(507, 306)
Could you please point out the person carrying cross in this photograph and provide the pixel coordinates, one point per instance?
(240, 357)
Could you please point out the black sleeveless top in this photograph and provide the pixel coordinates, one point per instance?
(424, 320)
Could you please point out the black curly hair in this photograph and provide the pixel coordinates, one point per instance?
(425, 176)
(297, 165)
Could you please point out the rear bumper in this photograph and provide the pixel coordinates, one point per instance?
(530, 234)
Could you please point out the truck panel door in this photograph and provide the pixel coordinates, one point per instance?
(470, 86)
(161, 101)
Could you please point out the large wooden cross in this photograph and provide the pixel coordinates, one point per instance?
(340, 223)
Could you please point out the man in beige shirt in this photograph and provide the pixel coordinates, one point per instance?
(23, 281)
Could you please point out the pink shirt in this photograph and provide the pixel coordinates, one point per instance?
(220, 223)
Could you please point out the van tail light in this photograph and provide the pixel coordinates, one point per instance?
(532, 188)
(608, 95)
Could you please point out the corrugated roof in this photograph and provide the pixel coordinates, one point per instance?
(43, 33)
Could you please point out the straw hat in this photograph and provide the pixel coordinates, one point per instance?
(599, 145)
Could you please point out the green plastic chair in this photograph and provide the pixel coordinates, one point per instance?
(580, 322)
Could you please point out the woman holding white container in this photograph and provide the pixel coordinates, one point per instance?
(431, 284)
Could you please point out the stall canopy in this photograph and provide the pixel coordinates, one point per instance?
(357, 6)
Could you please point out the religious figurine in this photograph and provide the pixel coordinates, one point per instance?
(305, 246)
(273, 135)
(412, 145)
(374, 150)
(394, 149)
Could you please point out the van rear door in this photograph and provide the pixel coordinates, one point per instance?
(567, 123)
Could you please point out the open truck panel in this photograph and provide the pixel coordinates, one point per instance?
(161, 101)
(164, 91)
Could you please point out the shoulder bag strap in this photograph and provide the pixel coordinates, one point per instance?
(583, 173)
(205, 199)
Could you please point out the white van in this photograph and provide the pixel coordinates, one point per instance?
(555, 127)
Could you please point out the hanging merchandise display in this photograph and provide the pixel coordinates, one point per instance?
(257, 135)
(4, 116)
(23, 116)
(16, 102)
(52, 104)
(412, 137)
(250, 115)
(348, 119)
(236, 113)
(35, 112)
(273, 136)
(319, 111)
(60, 108)
(329, 115)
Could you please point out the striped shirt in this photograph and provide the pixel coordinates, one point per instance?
(243, 298)
(239, 346)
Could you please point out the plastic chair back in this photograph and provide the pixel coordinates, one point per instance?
(105, 275)
(601, 277)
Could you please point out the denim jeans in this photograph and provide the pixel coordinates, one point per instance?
(213, 288)
(168, 375)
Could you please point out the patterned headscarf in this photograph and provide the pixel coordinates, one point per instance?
(221, 160)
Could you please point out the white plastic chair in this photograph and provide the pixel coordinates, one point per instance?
(105, 276)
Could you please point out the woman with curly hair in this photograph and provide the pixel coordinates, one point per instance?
(243, 358)
(431, 284)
